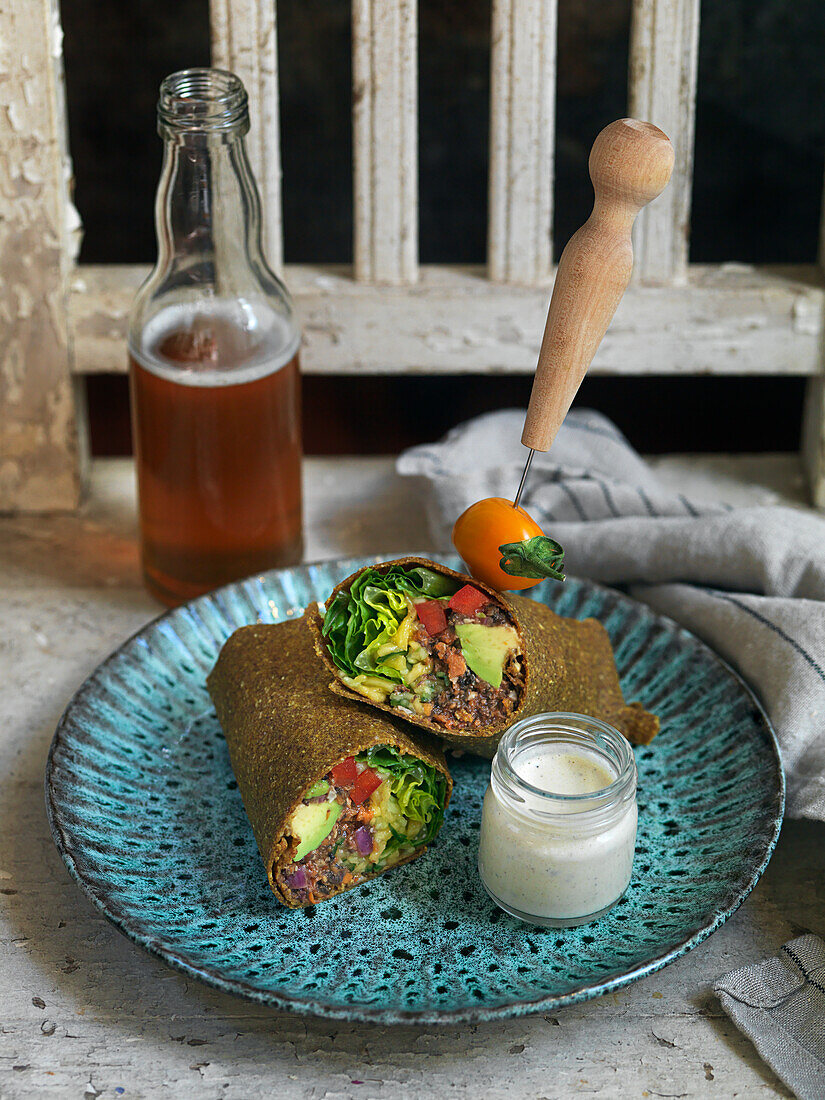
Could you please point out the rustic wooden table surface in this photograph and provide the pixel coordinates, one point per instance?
(85, 1013)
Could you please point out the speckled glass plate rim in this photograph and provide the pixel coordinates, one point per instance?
(365, 1014)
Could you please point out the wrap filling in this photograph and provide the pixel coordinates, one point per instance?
(370, 812)
(425, 643)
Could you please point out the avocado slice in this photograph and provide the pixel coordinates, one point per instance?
(486, 649)
(312, 825)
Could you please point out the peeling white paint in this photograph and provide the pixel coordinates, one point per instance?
(385, 140)
(728, 319)
(37, 429)
(522, 137)
(235, 25)
(664, 51)
(806, 318)
(731, 321)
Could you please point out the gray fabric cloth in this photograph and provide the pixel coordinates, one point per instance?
(780, 1005)
(749, 581)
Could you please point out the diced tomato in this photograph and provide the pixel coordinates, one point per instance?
(432, 617)
(468, 600)
(344, 773)
(367, 782)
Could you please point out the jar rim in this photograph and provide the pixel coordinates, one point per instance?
(203, 99)
(568, 727)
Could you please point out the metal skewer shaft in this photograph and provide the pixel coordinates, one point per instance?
(524, 474)
(630, 164)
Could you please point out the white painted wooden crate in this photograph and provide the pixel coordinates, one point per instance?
(385, 314)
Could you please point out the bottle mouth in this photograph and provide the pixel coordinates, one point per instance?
(211, 100)
(565, 731)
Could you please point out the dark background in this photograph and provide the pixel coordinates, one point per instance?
(760, 136)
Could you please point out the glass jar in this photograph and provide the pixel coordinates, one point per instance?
(558, 826)
(213, 350)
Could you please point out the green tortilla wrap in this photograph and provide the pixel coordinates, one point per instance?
(508, 659)
(286, 733)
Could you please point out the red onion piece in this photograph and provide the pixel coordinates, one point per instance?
(298, 879)
(363, 840)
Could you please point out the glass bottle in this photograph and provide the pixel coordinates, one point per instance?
(558, 825)
(213, 357)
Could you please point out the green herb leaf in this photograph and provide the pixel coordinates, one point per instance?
(359, 622)
(317, 789)
(419, 789)
(535, 558)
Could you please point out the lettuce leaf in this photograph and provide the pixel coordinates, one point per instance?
(418, 788)
(357, 623)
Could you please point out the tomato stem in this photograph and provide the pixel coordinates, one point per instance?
(534, 558)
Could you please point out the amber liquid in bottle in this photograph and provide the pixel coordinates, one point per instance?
(218, 450)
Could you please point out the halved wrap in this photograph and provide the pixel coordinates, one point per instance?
(336, 793)
(455, 657)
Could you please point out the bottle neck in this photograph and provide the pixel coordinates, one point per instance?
(208, 213)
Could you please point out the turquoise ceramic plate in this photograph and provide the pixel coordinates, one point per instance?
(148, 819)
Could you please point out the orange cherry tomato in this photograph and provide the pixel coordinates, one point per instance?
(480, 531)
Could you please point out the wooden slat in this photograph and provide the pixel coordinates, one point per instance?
(522, 135)
(813, 439)
(385, 145)
(664, 43)
(730, 320)
(245, 40)
(40, 464)
(813, 413)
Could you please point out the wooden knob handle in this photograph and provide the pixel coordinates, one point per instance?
(630, 164)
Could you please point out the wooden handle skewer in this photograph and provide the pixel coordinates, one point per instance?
(630, 164)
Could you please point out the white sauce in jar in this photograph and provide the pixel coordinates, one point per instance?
(564, 769)
(558, 828)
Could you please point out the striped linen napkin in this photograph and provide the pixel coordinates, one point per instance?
(780, 1005)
